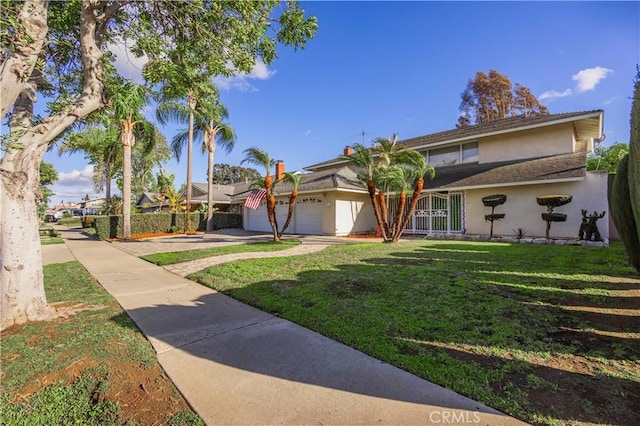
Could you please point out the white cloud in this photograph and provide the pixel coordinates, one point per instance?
(242, 81)
(588, 78)
(307, 133)
(76, 177)
(612, 99)
(126, 62)
(552, 94)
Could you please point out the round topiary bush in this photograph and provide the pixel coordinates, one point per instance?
(553, 200)
(494, 200)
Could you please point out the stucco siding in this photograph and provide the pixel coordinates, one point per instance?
(522, 211)
(527, 144)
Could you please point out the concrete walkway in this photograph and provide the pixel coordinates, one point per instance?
(238, 365)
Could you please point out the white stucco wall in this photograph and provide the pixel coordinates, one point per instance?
(522, 211)
(527, 144)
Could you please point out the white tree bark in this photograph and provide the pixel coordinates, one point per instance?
(18, 67)
(22, 296)
(21, 280)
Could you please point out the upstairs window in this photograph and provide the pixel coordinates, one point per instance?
(450, 155)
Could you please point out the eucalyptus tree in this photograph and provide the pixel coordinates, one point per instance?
(263, 159)
(295, 179)
(491, 96)
(59, 50)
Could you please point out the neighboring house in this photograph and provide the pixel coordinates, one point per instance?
(521, 157)
(148, 201)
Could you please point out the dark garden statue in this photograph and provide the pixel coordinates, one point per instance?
(588, 229)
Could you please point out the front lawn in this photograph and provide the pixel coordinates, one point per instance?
(169, 258)
(548, 334)
(93, 367)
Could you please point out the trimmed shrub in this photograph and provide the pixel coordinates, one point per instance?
(154, 223)
(624, 193)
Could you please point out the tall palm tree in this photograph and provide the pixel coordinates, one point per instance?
(172, 108)
(261, 158)
(209, 125)
(294, 179)
(127, 104)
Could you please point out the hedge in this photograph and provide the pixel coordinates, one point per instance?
(153, 223)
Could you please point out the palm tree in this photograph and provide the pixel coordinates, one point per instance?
(294, 179)
(164, 183)
(395, 169)
(385, 148)
(362, 157)
(261, 158)
(101, 147)
(127, 103)
(172, 108)
(419, 165)
(209, 125)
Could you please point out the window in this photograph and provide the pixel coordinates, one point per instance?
(457, 154)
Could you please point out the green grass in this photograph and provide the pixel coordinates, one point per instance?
(489, 320)
(170, 258)
(70, 221)
(99, 336)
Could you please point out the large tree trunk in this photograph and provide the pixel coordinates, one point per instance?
(23, 298)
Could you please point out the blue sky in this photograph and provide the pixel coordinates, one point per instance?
(399, 67)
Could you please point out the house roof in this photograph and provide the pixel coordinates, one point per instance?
(563, 167)
(587, 124)
(221, 193)
(343, 178)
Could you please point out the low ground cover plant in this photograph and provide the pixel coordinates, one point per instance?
(548, 334)
(93, 367)
(170, 258)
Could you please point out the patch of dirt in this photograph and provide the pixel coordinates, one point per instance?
(145, 395)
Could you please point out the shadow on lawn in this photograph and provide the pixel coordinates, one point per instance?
(220, 329)
(556, 392)
(487, 311)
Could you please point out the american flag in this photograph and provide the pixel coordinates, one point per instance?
(254, 198)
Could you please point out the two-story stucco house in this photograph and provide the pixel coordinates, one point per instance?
(520, 157)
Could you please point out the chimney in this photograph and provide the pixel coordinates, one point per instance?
(348, 150)
(279, 170)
